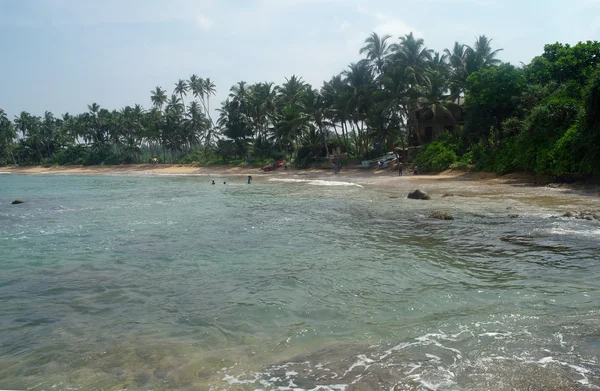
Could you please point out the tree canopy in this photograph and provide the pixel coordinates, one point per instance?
(492, 115)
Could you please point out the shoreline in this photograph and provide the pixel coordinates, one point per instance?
(383, 178)
(180, 169)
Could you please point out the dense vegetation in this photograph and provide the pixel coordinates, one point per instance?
(543, 117)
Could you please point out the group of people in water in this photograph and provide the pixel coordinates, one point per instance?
(249, 180)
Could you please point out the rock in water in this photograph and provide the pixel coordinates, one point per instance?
(583, 215)
(419, 195)
(17, 202)
(441, 215)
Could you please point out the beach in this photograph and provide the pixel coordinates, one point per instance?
(382, 177)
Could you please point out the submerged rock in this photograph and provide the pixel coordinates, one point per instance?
(582, 215)
(17, 202)
(441, 215)
(419, 195)
(514, 216)
(448, 195)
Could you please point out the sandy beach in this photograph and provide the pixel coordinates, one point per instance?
(384, 176)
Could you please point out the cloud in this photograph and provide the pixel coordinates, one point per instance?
(204, 22)
(393, 26)
(345, 26)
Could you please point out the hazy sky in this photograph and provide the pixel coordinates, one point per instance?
(61, 55)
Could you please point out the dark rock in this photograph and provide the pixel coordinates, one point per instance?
(441, 215)
(514, 216)
(419, 195)
(582, 215)
(141, 378)
(16, 202)
(161, 373)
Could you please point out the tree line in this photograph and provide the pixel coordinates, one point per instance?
(541, 117)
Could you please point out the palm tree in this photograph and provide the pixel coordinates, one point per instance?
(196, 85)
(291, 92)
(435, 100)
(377, 50)
(7, 136)
(361, 81)
(23, 122)
(481, 55)
(458, 69)
(209, 89)
(158, 98)
(413, 56)
(181, 88)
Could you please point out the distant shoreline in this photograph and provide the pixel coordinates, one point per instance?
(385, 176)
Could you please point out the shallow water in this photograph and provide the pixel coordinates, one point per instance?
(169, 283)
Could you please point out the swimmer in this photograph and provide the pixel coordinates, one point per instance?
(213, 182)
(249, 179)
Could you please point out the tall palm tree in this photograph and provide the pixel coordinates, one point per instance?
(158, 98)
(292, 91)
(457, 59)
(7, 136)
(196, 85)
(181, 88)
(481, 55)
(209, 89)
(23, 121)
(412, 54)
(435, 100)
(377, 49)
(359, 77)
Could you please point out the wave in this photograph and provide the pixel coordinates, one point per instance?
(316, 182)
(434, 361)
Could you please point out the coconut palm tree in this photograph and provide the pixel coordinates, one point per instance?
(481, 55)
(291, 92)
(7, 136)
(458, 69)
(412, 55)
(359, 77)
(158, 98)
(181, 89)
(377, 50)
(435, 99)
(23, 121)
(209, 89)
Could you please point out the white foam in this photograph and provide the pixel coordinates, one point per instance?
(591, 233)
(315, 182)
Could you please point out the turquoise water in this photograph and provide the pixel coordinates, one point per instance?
(169, 283)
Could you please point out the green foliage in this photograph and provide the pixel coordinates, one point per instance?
(544, 118)
(491, 99)
(562, 63)
(72, 155)
(436, 156)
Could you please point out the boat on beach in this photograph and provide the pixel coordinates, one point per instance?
(273, 166)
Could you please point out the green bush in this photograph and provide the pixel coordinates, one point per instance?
(74, 154)
(436, 156)
(464, 163)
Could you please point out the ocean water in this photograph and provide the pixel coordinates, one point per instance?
(169, 283)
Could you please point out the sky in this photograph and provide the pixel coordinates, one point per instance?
(61, 55)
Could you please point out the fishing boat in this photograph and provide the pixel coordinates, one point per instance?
(383, 161)
(273, 166)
